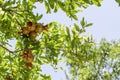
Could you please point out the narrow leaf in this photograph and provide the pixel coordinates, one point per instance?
(82, 22)
(90, 24)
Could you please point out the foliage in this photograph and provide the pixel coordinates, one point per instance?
(70, 7)
(100, 61)
(53, 43)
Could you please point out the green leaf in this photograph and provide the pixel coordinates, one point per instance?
(47, 7)
(118, 1)
(82, 22)
(75, 17)
(51, 3)
(90, 24)
(68, 31)
(56, 7)
(96, 2)
(87, 1)
(62, 5)
(77, 27)
(74, 31)
(39, 17)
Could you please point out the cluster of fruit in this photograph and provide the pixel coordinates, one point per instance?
(8, 78)
(28, 57)
(33, 29)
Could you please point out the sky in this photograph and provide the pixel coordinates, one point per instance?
(105, 21)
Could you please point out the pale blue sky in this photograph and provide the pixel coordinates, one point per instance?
(105, 21)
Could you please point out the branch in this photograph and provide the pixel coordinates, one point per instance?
(6, 49)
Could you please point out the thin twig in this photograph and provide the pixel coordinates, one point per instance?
(6, 49)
